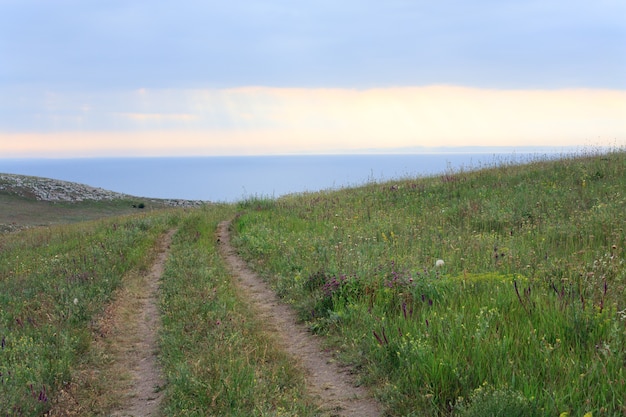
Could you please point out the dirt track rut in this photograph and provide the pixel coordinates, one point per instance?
(146, 373)
(326, 379)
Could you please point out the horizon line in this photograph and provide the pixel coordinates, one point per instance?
(413, 150)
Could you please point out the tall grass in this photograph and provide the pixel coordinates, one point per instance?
(216, 356)
(526, 316)
(53, 282)
(56, 282)
(528, 311)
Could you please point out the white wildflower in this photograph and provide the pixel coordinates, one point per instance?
(75, 301)
(439, 263)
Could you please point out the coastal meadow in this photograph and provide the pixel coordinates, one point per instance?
(499, 291)
(54, 282)
(217, 357)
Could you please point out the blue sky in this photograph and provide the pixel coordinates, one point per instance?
(100, 78)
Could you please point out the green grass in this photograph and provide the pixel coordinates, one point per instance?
(526, 317)
(53, 282)
(20, 208)
(17, 212)
(530, 303)
(216, 356)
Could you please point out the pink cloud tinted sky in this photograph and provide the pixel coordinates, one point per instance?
(266, 77)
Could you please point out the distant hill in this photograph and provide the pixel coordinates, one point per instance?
(47, 189)
(27, 201)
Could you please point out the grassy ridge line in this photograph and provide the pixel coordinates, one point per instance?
(53, 283)
(48, 189)
(33, 201)
(526, 317)
(359, 263)
(216, 358)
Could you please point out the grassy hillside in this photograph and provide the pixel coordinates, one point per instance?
(495, 291)
(57, 337)
(54, 282)
(32, 201)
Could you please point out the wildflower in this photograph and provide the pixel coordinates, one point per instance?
(439, 263)
(75, 301)
(381, 340)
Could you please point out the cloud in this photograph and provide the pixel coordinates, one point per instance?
(263, 120)
(348, 44)
(158, 117)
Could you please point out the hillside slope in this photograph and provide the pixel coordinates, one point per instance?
(499, 291)
(47, 189)
(27, 201)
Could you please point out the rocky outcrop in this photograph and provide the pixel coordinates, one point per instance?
(47, 189)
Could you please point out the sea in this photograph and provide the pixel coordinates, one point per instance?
(236, 178)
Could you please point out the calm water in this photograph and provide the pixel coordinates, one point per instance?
(230, 179)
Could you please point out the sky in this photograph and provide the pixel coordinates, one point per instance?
(200, 77)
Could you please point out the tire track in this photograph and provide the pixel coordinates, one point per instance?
(325, 378)
(145, 398)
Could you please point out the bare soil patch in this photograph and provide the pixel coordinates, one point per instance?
(145, 395)
(326, 379)
(121, 376)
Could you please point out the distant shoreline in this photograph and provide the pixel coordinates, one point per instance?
(235, 178)
(402, 151)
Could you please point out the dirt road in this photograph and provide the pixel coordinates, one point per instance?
(326, 379)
